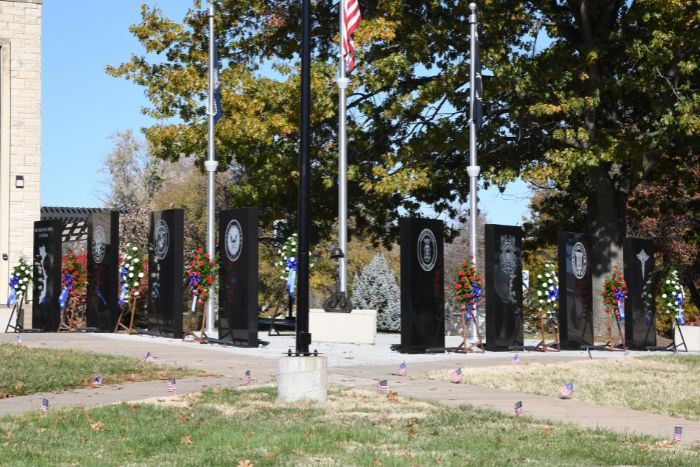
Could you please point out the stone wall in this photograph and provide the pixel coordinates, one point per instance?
(20, 130)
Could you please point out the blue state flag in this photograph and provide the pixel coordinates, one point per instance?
(217, 88)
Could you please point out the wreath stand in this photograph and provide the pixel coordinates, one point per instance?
(474, 347)
(554, 345)
(130, 328)
(66, 321)
(17, 308)
(612, 345)
(673, 346)
(202, 338)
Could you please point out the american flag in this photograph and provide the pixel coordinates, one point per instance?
(677, 431)
(44, 405)
(351, 21)
(18, 340)
(97, 381)
(516, 359)
(519, 408)
(149, 358)
(247, 379)
(402, 369)
(172, 386)
(566, 390)
(457, 375)
(383, 386)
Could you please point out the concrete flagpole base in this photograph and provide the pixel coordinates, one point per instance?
(302, 378)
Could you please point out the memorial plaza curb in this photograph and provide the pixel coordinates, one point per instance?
(348, 366)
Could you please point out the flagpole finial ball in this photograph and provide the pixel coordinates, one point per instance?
(472, 6)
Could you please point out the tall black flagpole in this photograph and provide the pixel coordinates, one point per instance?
(303, 337)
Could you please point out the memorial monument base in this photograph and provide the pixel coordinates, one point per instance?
(4, 317)
(691, 338)
(302, 378)
(356, 327)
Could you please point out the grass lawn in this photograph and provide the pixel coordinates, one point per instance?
(26, 370)
(667, 385)
(230, 427)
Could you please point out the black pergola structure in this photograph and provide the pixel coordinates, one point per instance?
(75, 226)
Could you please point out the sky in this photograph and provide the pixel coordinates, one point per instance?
(82, 106)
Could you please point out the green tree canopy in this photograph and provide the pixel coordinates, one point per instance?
(588, 98)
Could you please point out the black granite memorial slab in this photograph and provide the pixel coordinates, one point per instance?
(640, 306)
(166, 273)
(504, 287)
(422, 285)
(238, 276)
(102, 268)
(48, 256)
(575, 291)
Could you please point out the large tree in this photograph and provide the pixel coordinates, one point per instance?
(588, 98)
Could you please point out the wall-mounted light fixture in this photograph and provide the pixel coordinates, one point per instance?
(19, 181)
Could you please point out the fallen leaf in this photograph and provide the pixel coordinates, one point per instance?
(546, 430)
(245, 463)
(19, 385)
(270, 456)
(99, 426)
(186, 440)
(412, 432)
(297, 452)
(249, 434)
(377, 462)
(133, 408)
(393, 396)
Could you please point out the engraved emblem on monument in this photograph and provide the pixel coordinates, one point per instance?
(509, 260)
(427, 250)
(579, 260)
(43, 278)
(642, 256)
(234, 240)
(161, 240)
(98, 244)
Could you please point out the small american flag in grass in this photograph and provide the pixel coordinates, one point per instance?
(44, 405)
(456, 375)
(383, 386)
(149, 357)
(677, 432)
(519, 408)
(247, 379)
(172, 385)
(18, 340)
(402, 369)
(566, 390)
(97, 381)
(516, 359)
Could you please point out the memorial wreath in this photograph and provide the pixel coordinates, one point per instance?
(130, 274)
(614, 295)
(673, 297)
(468, 290)
(19, 282)
(201, 275)
(546, 286)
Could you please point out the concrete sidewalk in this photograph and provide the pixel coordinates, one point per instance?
(348, 366)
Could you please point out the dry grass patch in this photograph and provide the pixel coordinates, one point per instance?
(667, 385)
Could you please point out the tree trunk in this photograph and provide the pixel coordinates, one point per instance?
(607, 227)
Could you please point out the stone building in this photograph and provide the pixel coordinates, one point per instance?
(20, 132)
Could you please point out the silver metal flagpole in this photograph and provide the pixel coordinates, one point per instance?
(343, 82)
(210, 167)
(472, 169)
